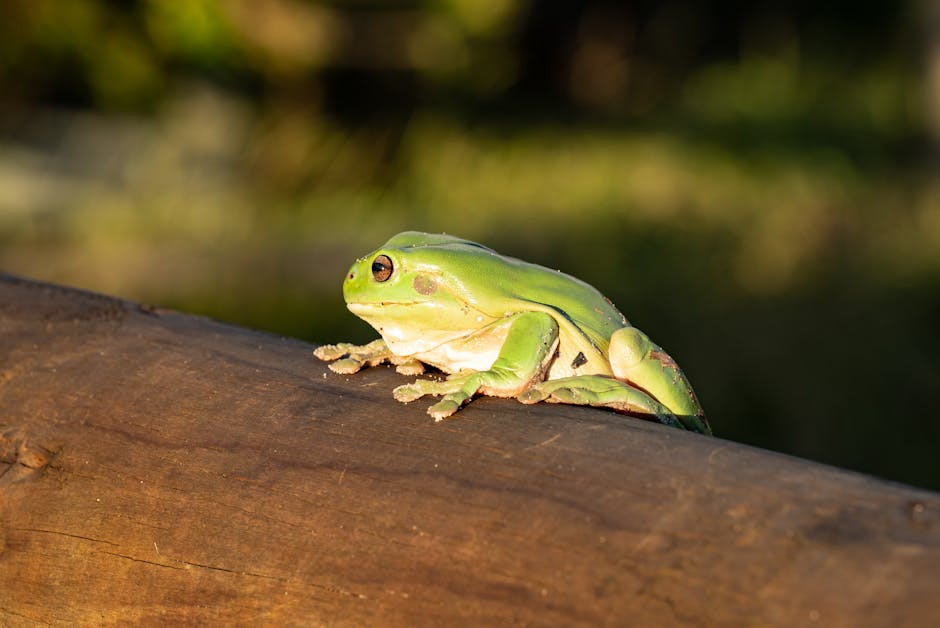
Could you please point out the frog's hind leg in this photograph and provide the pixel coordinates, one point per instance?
(601, 391)
(638, 361)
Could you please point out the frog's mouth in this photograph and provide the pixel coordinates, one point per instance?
(357, 307)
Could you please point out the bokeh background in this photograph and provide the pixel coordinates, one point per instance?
(755, 184)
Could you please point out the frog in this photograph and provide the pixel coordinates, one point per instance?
(499, 326)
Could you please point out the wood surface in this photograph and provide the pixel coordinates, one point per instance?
(158, 468)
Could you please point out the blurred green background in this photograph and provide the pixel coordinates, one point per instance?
(755, 184)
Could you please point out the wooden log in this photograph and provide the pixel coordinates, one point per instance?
(157, 467)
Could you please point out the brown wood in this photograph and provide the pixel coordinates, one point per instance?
(157, 467)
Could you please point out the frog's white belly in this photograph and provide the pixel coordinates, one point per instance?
(477, 351)
(451, 359)
(448, 351)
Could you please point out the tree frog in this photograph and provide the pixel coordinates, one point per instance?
(503, 327)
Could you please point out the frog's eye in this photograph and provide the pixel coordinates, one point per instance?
(382, 268)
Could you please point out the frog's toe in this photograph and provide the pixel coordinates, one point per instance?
(573, 396)
(410, 368)
(407, 392)
(346, 366)
(331, 352)
(407, 366)
(532, 395)
(323, 353)
(444, 408)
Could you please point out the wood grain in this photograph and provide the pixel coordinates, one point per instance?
(159, 468)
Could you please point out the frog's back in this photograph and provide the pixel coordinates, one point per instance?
(586, 320)
(499, 285)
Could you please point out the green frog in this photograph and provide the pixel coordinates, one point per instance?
(504, 327)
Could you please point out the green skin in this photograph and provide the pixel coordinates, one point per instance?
(503, 327)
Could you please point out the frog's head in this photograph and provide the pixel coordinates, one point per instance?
(415, 287)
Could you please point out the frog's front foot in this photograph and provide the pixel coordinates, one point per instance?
(347, 358)
(455, 392)
(597, 390)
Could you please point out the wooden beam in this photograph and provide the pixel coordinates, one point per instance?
(158, 467)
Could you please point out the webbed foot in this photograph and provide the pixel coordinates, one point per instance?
(456, 391)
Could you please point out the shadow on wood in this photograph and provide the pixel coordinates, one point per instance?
(160, 467)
